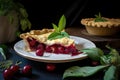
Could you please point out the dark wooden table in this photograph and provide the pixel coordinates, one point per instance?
(100, 41)
(39, 68)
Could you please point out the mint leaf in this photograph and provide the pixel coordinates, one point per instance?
(53, 35)
(56, 35)
(58, 30)
(99, 18)
(86, 71)
(62, 23)
(65, 34)
(55, 27)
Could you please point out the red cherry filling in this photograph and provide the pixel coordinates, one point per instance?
(40, 48)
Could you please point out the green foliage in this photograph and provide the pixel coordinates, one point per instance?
(110, 62)
(110, 73)
(3, 50)
(86, 71)
(7, 6)
(5, 64)
(99, 18)
(59, 33)
(93, 53)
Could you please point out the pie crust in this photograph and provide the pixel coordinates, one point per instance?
(105, 28)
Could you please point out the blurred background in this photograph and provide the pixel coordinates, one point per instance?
(44, 12)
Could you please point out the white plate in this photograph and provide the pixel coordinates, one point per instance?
(55, 58)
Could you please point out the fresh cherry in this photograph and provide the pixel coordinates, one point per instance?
(50, 67)
(27, 70)
(8, 74)
(14, 68)
(40, 52)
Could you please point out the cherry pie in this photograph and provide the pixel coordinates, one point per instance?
(37, 40)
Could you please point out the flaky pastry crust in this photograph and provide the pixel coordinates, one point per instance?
(109, 23)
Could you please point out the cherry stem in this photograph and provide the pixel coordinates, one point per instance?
(18, 62)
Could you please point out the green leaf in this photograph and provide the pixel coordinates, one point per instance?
(53, 35)
(115, 57)
(62, 23)
(59, 33)
(55, 27)
(99, 18)
(86, 71)
(3, 50)
(23, 12)
(93, 53)
(65, 34)
(110, 73)
(5, 64)
(106, 59)
(2, 53)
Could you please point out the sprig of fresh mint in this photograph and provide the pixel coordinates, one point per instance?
(99, 18)
(110, 64)
(58, 29)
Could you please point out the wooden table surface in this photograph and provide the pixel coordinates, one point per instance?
(113, 41)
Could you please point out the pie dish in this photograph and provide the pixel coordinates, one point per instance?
(37, 40)
(108, 27)
(19, 47)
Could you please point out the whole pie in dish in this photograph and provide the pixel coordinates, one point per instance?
(101, 26)
(50, 40)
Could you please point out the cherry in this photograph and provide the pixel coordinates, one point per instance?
(48, 49)
(40, 52)
(32, 43)
(41, 46)
(27, 70)
(8, 74)
(50, 67)
(66, 51)
(61, 49)
(14, 68)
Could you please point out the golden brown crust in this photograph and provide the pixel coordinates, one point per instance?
(35, 32)
(109, 23)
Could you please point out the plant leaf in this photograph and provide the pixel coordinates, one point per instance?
(59, 33)
(53, 35)
(115, 57)
(55, 27)
(2, 53)
(23, 12)
(62, 23)
(5, 64)
(65, 34)
(93, 53)
(110, 73)
(86, 71)
(99, 18)
(3, 50)
(106, 59)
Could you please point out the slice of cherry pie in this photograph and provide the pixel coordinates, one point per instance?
(37, 40)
